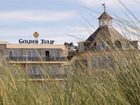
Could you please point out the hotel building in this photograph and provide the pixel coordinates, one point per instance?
(37, 57)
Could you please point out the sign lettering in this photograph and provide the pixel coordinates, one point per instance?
(42, 41)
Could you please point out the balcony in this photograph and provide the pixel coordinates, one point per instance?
(36, 59)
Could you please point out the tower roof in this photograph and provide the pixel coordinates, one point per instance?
(105, 33)
(105, 15)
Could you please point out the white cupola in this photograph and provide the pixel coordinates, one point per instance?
(105, 19)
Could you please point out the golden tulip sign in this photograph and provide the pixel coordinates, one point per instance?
(36, 41)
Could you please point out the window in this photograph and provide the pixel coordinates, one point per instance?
(85, 63)
(101, 23)
(95, 62)
(126, 45)
(81, 47)
(102, 62)
(1, 52)
(29, 55)
(105, 22)
(54, 70)
(118, 44)
(101, 46)
(34, 53)
(110, 23)
(35, 72)
(11, 53)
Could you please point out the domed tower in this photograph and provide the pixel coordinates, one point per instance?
(105, 19)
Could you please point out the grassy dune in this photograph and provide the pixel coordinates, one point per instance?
(82, 87)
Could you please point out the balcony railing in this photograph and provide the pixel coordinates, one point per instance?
(36, 58)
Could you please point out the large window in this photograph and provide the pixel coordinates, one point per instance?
(32, 54)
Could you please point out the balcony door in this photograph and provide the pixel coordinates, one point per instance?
(11, 54)
(47, 55)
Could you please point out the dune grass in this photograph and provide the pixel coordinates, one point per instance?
(82, 87)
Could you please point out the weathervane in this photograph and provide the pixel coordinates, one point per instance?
(104, 7)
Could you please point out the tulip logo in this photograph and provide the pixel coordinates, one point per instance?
(36, 34)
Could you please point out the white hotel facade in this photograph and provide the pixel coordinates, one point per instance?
(37, 57)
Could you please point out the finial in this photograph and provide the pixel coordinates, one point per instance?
(104, 7)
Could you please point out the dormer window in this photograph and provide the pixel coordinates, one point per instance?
(101, 46)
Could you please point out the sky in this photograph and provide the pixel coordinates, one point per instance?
(64, 20)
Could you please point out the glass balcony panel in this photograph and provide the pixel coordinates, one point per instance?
(36, 58)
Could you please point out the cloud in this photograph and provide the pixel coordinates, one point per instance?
(91, 2)
(79, 33)
(65, 34)
(110, 3)
(36, 15)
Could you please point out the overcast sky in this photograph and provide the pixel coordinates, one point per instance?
(60, 20)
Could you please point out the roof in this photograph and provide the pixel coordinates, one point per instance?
(35, 46)
(105, 33)
(105, 15)
(3, 42)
